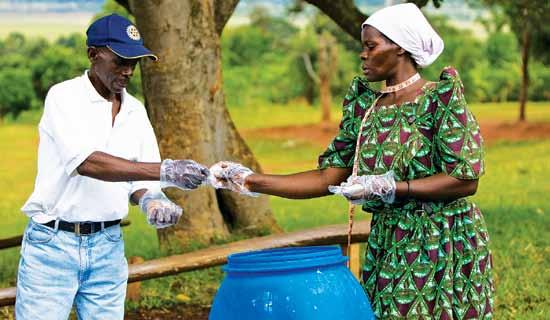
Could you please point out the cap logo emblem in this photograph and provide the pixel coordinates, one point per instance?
(133, 32)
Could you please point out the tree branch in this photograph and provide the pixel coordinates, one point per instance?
(223, 9)
(344, 13)
(125, 4)
(309, 68)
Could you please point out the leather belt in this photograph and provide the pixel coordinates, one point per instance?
(82, 228)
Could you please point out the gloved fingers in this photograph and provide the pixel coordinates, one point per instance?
(166, 216)
(176, 171)
(195, 167)
(152, 215)
(353, 192)
(176, 215)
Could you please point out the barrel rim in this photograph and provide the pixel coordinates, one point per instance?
(284, 259)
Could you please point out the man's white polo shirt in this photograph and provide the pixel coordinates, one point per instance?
(76, 122)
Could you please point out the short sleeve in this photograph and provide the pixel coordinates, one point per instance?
(62, 125)
(458, 142)
(340, 152)
(149, 152)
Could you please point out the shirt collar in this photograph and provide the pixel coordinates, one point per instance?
(94, 96)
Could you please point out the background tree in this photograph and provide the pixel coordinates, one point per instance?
(54, 65)
(327, 66)
(185, 100)
(528, 19)
(16, 92)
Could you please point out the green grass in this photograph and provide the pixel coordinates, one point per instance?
(511, 196)
(509, 111)
(300, 113)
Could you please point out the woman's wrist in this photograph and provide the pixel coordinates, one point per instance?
(251, 181)
(403, 190)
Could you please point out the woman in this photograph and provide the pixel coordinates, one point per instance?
(419, 155)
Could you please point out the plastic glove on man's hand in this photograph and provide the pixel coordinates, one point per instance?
(183, 174)
(160, 211)
(359, 189)
(231, 176)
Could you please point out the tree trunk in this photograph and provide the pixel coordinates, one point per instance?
(328, 57)
(523, 94)
(186, 106)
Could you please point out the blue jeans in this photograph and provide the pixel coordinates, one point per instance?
(58, 269)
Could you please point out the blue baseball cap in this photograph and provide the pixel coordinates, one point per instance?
(119, 35)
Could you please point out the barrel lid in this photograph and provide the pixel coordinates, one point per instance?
(285, 259)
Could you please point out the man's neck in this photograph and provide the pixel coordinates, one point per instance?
(101, 89)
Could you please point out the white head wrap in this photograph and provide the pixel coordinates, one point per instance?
(405, 25)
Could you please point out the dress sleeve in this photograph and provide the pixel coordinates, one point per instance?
(458, 142)
(340, 152)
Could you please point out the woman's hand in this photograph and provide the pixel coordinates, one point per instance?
(231, 176)
(367, 187)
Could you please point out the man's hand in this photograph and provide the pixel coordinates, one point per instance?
(367, 187)
(230, 175)
(183, 174)
(160, 211)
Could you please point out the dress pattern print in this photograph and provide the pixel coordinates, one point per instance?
(424, 260)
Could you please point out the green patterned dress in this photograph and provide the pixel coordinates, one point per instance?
(425, 260)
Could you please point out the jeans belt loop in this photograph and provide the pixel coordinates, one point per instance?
(56, 226)
(77, 229)
(102, 225)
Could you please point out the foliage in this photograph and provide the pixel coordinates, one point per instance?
(530, 16)
(111, 6)
(16, 92)
(55, 65)
(263, 62)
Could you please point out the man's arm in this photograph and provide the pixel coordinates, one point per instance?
(134, 198)
(103, 166)
(183, 174)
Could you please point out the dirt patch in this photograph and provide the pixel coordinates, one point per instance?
(517, 131)
(176, 313)
(321, 135)
(313, 133)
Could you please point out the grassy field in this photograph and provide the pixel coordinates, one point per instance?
(511, 195)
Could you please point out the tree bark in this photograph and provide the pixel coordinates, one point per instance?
(525, 45)
(344, 13)
(328, 62)
(186, 106)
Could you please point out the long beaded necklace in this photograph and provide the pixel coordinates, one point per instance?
(394, 88)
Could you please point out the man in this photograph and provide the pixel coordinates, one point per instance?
(97, 150)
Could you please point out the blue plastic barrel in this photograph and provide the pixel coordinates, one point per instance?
(290, 283)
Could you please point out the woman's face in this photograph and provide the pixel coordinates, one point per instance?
(379, 55)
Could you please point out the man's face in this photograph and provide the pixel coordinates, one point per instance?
(113, 71)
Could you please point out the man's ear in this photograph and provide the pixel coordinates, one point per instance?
(93, 53)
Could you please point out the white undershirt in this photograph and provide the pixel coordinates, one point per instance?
(76, 122)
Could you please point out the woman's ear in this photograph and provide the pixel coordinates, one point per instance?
(400, 51)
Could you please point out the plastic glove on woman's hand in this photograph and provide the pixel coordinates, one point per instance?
(160, 211)
(230, 175)
(183, 174)
(359, 189)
